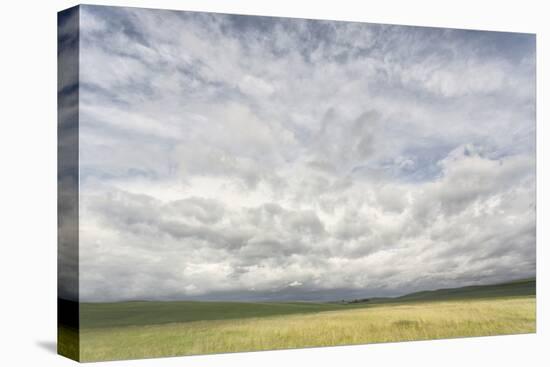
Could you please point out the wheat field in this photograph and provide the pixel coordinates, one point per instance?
(372, 324)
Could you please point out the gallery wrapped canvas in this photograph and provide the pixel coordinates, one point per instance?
(231, 183)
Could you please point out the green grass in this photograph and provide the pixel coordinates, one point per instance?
(97, 315)
(523, 287)
(151, 329)
(373, 324)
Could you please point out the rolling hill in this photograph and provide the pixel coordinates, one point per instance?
(97, 315)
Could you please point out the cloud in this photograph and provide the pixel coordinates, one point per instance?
(233, 157)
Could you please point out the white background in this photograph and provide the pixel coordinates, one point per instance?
(28, 182)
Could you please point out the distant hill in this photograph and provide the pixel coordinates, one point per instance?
(523, 287)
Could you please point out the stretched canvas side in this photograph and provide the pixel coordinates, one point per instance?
(67, 183)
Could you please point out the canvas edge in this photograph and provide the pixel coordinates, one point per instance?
(68, 49)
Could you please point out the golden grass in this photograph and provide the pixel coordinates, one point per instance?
(374, 324)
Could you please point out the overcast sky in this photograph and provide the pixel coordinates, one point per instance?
(257, 158)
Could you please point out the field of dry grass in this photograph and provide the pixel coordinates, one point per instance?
(372, 324)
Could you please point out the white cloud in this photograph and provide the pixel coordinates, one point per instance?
(226, 158)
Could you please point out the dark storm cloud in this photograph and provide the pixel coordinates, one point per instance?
(233, 157)
(67, 168)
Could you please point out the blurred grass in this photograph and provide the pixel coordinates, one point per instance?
(68, 342)
(373, 324)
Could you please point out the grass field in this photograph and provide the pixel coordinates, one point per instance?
(152, 329)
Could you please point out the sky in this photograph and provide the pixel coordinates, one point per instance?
(227, 157)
